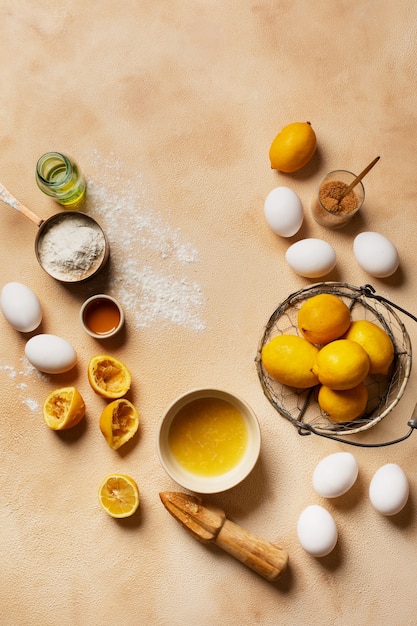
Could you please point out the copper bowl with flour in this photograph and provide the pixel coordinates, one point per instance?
(71, 247)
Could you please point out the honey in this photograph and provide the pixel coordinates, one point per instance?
(208, 437)
(101, 316)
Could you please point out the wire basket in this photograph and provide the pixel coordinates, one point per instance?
(300, 406)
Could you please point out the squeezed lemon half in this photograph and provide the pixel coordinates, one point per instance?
(108, 376)
(118, 495)
(119, 422)
(63, 408)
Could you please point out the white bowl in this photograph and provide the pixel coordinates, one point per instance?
(209, 484)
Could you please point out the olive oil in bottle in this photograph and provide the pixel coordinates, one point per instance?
(59, 176)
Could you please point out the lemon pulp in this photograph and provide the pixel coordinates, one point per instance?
(208, 437)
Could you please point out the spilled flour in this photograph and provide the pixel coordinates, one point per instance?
(150, 262)
(20, 376)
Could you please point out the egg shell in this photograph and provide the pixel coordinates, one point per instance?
(376, 254)
(284, 211)
(311, 257)
(50, 354)
(317, 531)
(21, 307)
(335, 474)
(389, 489)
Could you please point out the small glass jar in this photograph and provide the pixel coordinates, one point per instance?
(59, 177)
(325, 208)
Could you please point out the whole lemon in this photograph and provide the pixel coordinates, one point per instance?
(343, 405)
(293, 147)
(290, 359)
(376, 342)
(341, 364)
(323, 318)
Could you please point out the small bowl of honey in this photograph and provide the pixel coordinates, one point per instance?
(101, 316)
(209, 440)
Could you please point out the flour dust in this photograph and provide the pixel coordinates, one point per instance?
(21, 377)
(150, 261)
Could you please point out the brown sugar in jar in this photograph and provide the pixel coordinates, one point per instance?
(329, 195)
(327, 208)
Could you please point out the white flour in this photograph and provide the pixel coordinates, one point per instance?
(20, 376)
(71, 247)
(150, 262)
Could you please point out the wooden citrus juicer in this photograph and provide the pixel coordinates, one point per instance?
(209, 524)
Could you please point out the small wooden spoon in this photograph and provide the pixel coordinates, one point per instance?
(358, 179)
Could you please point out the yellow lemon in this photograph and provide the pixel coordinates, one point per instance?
(342, 364)
(108, 376)
(119, 422)
(376, 342)
(118, 495)
(323, 318)
(290, 359)
(63, 408)
(344, 405)
(293, 147)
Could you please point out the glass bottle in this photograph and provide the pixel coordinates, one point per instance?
(59, 177)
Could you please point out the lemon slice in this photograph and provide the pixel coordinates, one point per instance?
(119, 422)
(108, 376)
(118, 495)
(63, 408)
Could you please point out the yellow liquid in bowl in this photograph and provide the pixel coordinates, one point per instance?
(208, 437)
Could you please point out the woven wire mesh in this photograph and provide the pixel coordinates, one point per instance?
(300, 406)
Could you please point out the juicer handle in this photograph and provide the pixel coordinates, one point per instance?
(261, 556)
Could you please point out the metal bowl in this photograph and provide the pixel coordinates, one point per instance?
(71, 247)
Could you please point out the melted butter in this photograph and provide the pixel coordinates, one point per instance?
(208, 437)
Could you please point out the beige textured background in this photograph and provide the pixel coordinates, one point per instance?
(170, 107)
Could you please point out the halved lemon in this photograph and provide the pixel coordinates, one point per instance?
(63, 408)
(119, 422)
(118, 495)
(108, 376)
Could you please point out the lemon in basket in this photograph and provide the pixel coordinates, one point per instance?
(376, 342)
(344, 405)
(323, 318)
(290, 359)
(342, 364)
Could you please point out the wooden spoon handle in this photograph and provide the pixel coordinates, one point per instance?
(8, 198)
(358, 178)
(261, 556)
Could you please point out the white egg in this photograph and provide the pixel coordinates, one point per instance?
(335, 474)
(50, 354)
(21, 307)
(389, 489)
(376, 254)
(317, 531)
(284, 211)
(311, 257)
